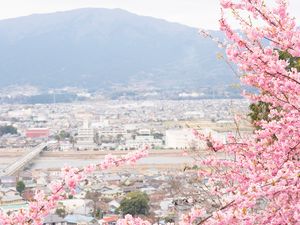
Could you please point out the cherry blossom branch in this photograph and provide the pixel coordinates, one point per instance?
(71, 177)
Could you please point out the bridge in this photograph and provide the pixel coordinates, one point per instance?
(24, 160)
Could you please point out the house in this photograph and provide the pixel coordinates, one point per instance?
(112, 179)
(113, 205)
(9, 196)
(112, 193)
(25, 174)
(54, 219)
(76, 219)
(109, 220)
(8, 191)
(80, 195)
(27, 178)
(13, 208)
(11, 200)
(41, 181)
(8, 181)
(148, 190)
(78, 206)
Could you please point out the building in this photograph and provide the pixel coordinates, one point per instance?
(37, 133)
(85, 137)
(54, 219)
(8, 181)
(144, 140)
(109, 220)
(11, 199)
(179, 138)
(77, 206)
(78, 219)
(112, 131)
(185, 138)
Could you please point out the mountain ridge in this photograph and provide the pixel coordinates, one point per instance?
(97, 47)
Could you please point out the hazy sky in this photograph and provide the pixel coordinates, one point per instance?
(197, 13)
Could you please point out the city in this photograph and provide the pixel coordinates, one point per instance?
(77, 134)
(129, 112)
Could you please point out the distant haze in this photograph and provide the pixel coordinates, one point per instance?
(98, 47)
(189, 12)
(196, 13)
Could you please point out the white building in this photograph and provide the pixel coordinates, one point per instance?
(112, 131)
(77, 206)
(142, 140)
(184, 138)
(144, 132)
(179, 138)
(85, 137)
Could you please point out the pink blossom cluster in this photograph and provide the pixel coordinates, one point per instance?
(192, 216)
(261, 184)
(130, 220)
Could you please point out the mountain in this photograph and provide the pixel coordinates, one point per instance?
(95, 48)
